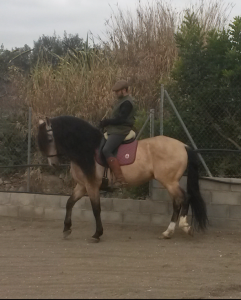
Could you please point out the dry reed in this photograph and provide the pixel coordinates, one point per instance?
(140, 48)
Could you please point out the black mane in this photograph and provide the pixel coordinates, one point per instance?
(78, 140)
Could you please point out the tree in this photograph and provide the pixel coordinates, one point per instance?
(52, 47)
(206, 87)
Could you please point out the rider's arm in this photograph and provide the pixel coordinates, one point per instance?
(125, 110)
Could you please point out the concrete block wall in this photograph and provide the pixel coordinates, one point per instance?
(52, 207)
(223, 200)
(223, 205)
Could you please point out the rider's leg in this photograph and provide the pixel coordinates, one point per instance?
(113, 142)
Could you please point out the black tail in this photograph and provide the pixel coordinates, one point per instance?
(199, 211)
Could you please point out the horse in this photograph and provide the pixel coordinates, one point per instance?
(162, 158)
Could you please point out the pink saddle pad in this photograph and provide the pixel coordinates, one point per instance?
(126, 154)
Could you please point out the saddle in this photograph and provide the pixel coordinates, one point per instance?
(126, 153)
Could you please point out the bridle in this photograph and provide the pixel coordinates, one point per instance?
(50, 139)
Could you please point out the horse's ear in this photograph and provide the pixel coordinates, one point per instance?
(41, 122)
(48, 122)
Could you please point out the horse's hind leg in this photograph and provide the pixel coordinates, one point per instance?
(171, 228)
(178, 196)
(78, 192)
(183, 224)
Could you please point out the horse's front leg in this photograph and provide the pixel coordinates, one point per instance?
(78, 193)
(94, 195)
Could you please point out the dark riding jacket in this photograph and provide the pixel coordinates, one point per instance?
(123, 117)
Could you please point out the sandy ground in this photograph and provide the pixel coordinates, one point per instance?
(129, 262)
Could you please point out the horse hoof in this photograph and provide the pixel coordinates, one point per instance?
(67, 233)
(165, 236)
(94, 240)
(191, 232)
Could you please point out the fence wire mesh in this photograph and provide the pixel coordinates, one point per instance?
(14, 151)
(14, 147)
(212, 117)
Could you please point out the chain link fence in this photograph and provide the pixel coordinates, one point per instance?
(211, 119)
(13, 149)
(22, 167)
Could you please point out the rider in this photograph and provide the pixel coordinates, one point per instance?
(118, 127)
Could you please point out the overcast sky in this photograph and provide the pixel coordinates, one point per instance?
(24, 21)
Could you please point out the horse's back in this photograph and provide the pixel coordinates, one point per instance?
(163, 146)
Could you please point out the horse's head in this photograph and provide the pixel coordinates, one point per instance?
(46, 142)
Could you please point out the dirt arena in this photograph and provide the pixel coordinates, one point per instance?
(129, 262)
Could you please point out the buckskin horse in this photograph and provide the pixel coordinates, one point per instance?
(162, 158)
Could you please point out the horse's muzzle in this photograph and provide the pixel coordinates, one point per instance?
(53, 161)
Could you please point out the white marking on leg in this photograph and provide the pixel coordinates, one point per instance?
(170, 230)
(49, 161)
(183, 222)
(184, 225)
